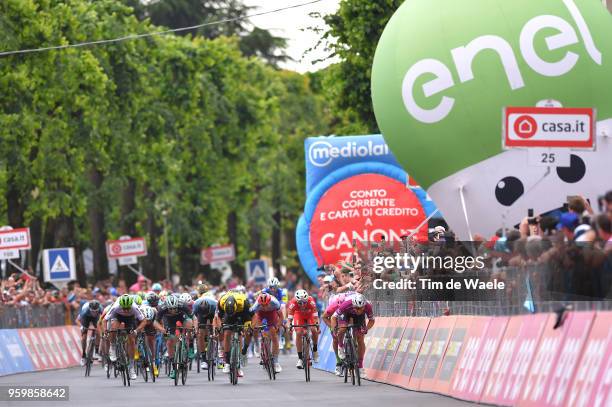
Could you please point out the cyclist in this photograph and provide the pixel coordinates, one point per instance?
(89, 315)
(280, 294)
(234, 309)
(268, 308)
(104, 326)
(156, 288)
(150, 327)
(172, 311)
(204, 309)
(353, 310)
(303, 311)
(334, 302)
(151, 300)
(124, 312)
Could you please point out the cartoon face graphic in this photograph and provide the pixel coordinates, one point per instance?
(500, 190)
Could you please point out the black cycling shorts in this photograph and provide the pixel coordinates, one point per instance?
(130, 322)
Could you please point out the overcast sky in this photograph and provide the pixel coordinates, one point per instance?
(292, 24)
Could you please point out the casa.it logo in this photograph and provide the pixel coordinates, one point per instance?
(322, 153)
(525, 127)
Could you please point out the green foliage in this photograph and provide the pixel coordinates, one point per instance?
(353, 36)
(190, 127)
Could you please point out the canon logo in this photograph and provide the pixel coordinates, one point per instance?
(322, 153)
(463, 58)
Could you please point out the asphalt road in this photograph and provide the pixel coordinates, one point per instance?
(289, 389)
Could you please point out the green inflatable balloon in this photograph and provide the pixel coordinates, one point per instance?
(445, 69)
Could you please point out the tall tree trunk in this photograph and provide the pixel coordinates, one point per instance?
(276, 240)
(153, 263)
(97, 225)
(14, 205)
(189, 260)
(36, 240)
(128, 205)
(255, 240)
(290, 244)
(232, 234)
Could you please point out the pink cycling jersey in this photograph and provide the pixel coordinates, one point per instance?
(348, 310)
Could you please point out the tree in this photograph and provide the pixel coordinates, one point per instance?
(353, 36)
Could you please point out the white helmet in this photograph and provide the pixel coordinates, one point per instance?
(273, 282)
(358, 301)
(172, 301)
(301, 295)
(149, 313)
(241, 289)
(186, 298)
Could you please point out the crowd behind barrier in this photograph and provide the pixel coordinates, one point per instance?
(34, 316)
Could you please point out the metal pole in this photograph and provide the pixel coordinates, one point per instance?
(165, 216)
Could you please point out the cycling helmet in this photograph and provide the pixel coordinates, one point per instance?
(172, 301)
(186, 298)
(152, 299)
(201, 288)
(156, 287)
(149, 313)
(301, 296)
(137, 299)
(264, 299)
(94, 305)
(273, 282)
(241, 289)
(141, 295)
(358, 301)
(230, 306)
(126, 301)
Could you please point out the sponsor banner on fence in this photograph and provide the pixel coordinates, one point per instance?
(13, 354)
(451, 356)
(513, 359)
(371, 342)
(602, 389)
(469, 357)
(392, 347)
(423, 355)
(546, 375)
(408, 351)
(436, 355)
(373, 369)
(595, 367)
(486, 351)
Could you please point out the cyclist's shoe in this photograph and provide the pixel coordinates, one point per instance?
(244, 360)
(107, 367)
(299, 364)
(226, 368)
(338, 371)
(341, 353)
(277, 368)
(240, 373)
(204, 366)
(132, 373)
(315, 357)
(155, 371)
(83, 361)
(112, 354)
(172, 374)
(96, 355)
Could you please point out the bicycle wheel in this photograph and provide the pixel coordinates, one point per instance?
(305, 357)
(351, 358)
(234, 361)
(108, 366)
(186, 362)
(211, 353)
(145, 364)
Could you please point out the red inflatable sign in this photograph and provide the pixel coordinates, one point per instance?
(363, 208)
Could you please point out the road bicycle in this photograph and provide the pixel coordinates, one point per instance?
(351, 361)
(90, 346)
(123, 361)
(307, 353)
(235, 351)
(212, 348)
(267, 360)
(180, 362)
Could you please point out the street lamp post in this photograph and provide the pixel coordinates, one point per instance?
(165, 217)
